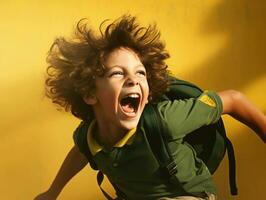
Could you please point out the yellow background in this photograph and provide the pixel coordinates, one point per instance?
(216, 44)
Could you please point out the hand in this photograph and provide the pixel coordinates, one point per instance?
(45, 196)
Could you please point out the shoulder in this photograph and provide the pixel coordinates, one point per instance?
(80, 135)
(208, 99)
(185, 115)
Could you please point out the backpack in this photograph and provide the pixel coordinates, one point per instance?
(209, 142)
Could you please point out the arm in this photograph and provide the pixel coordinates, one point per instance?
(73, 163)
(239, 107)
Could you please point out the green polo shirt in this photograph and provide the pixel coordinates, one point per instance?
(133, 167)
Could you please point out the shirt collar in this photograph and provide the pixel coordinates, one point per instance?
(95, 147)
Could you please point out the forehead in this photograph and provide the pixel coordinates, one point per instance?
(122, 57)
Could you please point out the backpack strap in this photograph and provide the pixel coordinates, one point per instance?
(157, 143)
(232, 167)
(100, 177)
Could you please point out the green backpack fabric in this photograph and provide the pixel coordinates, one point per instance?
(210, 142)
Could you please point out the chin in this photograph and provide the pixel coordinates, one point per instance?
(128, 125)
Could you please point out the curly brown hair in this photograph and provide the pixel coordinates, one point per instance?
(74, 64)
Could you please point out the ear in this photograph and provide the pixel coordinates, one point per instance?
(149, 98)
(90, 99)
(147, 101)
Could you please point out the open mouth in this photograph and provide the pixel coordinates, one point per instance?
(130, 103)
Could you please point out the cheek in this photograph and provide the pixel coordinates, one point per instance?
(108, 93)
(105, 96)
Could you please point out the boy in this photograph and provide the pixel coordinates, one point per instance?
(108, 79)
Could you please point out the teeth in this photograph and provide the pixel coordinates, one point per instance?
(133, 95)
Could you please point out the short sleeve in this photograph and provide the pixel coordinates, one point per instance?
(80, 137)
(185, 116)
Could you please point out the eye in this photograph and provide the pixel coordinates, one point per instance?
(141, 73)
(116, 74)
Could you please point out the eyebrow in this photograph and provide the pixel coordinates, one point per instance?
(141, 65)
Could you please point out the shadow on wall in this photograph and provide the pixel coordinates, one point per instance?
(240, 63)
(242, 60)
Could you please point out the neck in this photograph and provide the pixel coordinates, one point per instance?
(106, 133)
(107, 136)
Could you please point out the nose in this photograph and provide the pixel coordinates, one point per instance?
(132, 81)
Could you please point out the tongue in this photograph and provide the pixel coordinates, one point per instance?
(128, 108)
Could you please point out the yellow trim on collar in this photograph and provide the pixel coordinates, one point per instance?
(127, 139)
(95, 147)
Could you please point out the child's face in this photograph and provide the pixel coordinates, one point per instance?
(121, 94)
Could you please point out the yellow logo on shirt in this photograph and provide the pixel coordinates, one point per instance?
(207, 100)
